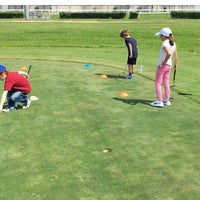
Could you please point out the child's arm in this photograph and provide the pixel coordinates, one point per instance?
(3, 99)
(130, 50)
(175, 59)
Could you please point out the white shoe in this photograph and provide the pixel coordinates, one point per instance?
(8, 109)
(167, 103)
(157, 104)
(27, 104)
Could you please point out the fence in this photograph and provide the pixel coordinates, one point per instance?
(55, 10)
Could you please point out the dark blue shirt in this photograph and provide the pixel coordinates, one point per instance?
(133, 43)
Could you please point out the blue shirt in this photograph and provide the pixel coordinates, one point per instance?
(133, 43)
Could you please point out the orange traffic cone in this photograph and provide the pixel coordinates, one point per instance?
(123, 94)
(103, 76)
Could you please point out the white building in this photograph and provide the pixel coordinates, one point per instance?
(106, 8)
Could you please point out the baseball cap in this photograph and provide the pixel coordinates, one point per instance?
(164, 31)
(2, 68)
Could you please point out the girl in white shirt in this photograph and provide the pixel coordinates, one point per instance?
(167, 51)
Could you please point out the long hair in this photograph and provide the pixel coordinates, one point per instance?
(171, 39)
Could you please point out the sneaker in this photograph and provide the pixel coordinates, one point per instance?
(8, 109)
(27, 104)
(167, 103)
(157, 104)
(129, 76)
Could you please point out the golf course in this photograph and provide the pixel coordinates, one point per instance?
(57, 149)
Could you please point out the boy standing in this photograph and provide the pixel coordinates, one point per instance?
(16, 88)
(132, 47)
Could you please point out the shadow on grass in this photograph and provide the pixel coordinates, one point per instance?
(183, 93)
(112, 75)
(146, 77)
(134, 101)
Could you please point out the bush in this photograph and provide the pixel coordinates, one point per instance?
(185, 15)
(11, 14)
(118, 15)
(92, 15)
(133, 15)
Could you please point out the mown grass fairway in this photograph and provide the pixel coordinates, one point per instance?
(54, 150)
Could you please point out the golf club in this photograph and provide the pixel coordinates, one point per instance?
(32, 98)
(122, 74)
(124, 71)
(29, 69)
(174, 78)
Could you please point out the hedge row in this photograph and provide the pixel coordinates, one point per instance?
(133, 15)
(185, 15)
(97, 15)
(11, 14)
(105, 15)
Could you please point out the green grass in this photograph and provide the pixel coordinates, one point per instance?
(54, 150)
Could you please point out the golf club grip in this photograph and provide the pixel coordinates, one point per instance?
(29, 69)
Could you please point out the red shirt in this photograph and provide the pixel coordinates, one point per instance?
(15, 81)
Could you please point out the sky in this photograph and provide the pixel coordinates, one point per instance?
(99, 2)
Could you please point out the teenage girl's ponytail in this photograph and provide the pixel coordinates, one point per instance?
(171, 39)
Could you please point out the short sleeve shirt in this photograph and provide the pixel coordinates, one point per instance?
(133, 43)
(15, 81)
(163, 53)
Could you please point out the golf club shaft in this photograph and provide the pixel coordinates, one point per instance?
(174, 77)
(125, 69)
(29, 69)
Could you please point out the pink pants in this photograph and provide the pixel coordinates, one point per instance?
(162, 75)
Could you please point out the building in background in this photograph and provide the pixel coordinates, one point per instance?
(106, 8)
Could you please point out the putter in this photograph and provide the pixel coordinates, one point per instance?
(123, 72)
(174, 78)
(29, 69)
(32, 98)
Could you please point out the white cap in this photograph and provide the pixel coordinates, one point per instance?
(164, 31)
